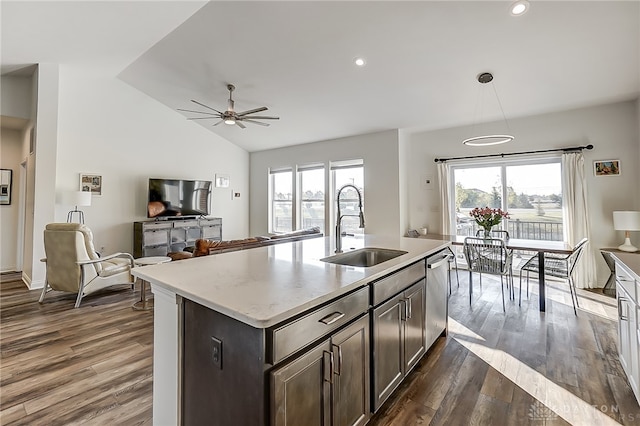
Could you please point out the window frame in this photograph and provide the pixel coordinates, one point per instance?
(502, 164)
(330, 189)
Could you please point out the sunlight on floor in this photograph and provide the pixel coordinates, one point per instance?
(562, 402)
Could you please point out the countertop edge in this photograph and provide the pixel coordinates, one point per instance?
(266, 322)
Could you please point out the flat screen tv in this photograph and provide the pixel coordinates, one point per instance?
(178, 197)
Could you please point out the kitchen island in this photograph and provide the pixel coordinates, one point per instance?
(225, 324)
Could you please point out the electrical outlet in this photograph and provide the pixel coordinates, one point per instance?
(216, 352)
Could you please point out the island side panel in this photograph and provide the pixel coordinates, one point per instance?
(227, 388)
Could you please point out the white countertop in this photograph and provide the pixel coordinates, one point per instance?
(266, 285)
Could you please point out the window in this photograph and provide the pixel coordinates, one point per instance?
(349, 173)
(302, 202)
(530, 190)
(281, 200)
(312, 196)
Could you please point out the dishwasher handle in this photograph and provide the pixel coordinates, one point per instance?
(436, 264)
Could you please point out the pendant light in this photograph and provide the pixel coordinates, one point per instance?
(489, 139)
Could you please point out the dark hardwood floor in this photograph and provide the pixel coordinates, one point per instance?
(93, 365)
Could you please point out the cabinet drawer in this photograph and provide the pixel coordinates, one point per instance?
(155, 237)
(396, 282)
(288, 338)
(155, 226)
(626, 279)
(186, 224)
(211, 222)
(212, 232)
(154, 251)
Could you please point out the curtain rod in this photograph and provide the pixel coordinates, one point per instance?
(575, 148)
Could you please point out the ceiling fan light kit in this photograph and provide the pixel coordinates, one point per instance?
(230, 116)
(492, 139)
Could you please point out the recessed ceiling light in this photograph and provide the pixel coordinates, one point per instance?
(359, 62)
(519, 8)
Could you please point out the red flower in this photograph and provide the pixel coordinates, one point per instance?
(487, 217)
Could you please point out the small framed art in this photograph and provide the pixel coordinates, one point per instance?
(222, 181)
(91, 183)
(606, 167)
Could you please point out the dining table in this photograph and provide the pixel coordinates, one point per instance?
(539, 246)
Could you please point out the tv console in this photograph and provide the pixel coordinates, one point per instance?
(159, 237)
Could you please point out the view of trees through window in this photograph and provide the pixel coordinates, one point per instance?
(282, 202)
(530, 193)
(312, 199)
(349, 197)
(309, 198)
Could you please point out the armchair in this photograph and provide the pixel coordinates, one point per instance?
(74, 266)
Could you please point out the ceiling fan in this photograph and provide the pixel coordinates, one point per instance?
(230, 116)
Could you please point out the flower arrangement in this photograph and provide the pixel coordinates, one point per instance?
(487, 217)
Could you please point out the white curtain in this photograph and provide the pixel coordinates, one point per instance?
(576, 216)
(445, 192)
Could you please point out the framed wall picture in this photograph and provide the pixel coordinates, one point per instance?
(91, 183)
(606, 167)
(222, 181)
(6, 176)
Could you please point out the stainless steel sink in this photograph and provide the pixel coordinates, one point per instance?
(368, 256)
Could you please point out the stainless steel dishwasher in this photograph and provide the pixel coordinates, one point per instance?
(436, 294)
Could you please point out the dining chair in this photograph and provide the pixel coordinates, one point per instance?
(503, 235)
(489, 256)
(558, 266)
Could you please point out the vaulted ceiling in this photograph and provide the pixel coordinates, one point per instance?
(296, 58)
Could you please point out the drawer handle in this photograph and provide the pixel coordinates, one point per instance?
(625, 279)
(331, 318)
(435, 265)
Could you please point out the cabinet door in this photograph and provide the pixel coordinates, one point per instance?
(634, 373)
(388, 348)
(351, 403)
(414, 323)
(301, 390)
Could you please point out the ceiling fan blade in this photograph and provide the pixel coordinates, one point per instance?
(203, 105)
(199, 112)
(251, 111)
(256, 122)
(242, 126)
(202, 118)
(215, 124)
(262, 117)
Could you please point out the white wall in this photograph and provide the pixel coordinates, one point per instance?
(381, 176)
(89, 121)
(16, 96)
(612, 129)
(11, 155)
(108, 128)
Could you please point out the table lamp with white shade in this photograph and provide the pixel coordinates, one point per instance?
(76, 198)
(626, 221)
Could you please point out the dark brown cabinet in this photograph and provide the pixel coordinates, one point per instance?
(398, 340)
(327, 385)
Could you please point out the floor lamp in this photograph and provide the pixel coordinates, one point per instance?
(77, 198)
(626, 221)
